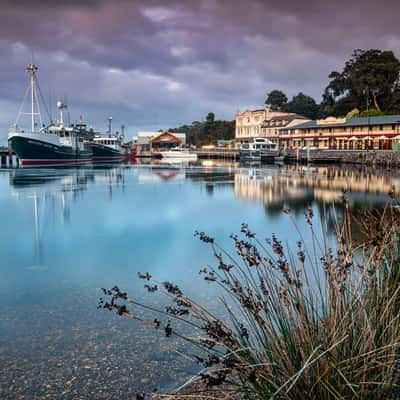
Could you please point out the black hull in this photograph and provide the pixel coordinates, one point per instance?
(36, 153)
(105, 154)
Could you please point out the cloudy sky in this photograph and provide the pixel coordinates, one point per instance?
(157, 63)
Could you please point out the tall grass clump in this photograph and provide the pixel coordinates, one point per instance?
(302, 322)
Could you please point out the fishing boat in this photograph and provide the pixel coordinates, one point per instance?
(258, 149)
(107, 149)
(178, 153)
(57, 144)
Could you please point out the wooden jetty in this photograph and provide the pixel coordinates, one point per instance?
(218, 154)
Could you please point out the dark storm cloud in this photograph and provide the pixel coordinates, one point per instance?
(158, 63)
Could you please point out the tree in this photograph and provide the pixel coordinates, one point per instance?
(303, 105)
(276, 100)
(200, 133)
(210, 118)
(368, 75)
(354, 113)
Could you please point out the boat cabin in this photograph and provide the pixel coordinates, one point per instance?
(259, 144)
(112, 142)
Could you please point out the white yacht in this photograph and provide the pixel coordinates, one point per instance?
(258, 149)
(179, 153)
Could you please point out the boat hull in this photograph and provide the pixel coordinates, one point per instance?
(34, 152)
(105, 154)
(185, 156)
(250, 155)
(259, 155)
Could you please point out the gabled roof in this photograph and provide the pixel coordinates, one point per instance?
(171, 135)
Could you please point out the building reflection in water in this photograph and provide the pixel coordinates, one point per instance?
(51, 192)
(296, 186)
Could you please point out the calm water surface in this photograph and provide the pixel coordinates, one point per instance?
(66, 233)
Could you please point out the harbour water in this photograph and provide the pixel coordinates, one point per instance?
(65, 233)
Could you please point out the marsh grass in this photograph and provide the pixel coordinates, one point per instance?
(303, 322)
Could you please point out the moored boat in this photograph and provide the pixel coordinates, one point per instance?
(258, 149)
(54, 145)
(178, 153)
(106, 149)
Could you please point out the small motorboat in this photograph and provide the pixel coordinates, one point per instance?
(178, 153)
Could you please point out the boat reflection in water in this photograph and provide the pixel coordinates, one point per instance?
(52, 192)
(72, 231)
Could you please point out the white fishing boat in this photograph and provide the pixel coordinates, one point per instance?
(258, 149)
(178, 153)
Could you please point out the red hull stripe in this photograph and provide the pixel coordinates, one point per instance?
(108, 158)
(27, 162)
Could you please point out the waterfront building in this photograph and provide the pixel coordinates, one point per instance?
(263, 122)
(363, 133)
(167, 140)
(272, 127)
(148, 141)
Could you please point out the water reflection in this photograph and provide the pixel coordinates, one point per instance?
(70, 231)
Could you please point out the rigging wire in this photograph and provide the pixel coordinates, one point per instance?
(39, 113)
(43, 101)
(22, 105)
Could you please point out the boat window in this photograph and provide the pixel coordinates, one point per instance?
(66, 134)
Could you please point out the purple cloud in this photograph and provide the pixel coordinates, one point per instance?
(156, 64)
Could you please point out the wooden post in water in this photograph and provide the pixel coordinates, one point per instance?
(10, 157)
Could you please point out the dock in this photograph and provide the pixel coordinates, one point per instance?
(218, 154)
(385, 158)
(6, 157)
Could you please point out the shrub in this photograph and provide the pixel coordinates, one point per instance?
(309, 322)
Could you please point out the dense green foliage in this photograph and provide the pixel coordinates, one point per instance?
(302, 322)
(303, 105)
(369, 77)
(300, 104)
(207, 132)
(369, 82)
(368, 85)
(276, 100)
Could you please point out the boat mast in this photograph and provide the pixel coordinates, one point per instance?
(32, 68)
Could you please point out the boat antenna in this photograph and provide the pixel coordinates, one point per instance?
(109, 119)
(122, 133)
(32, 68)
(68, 113)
